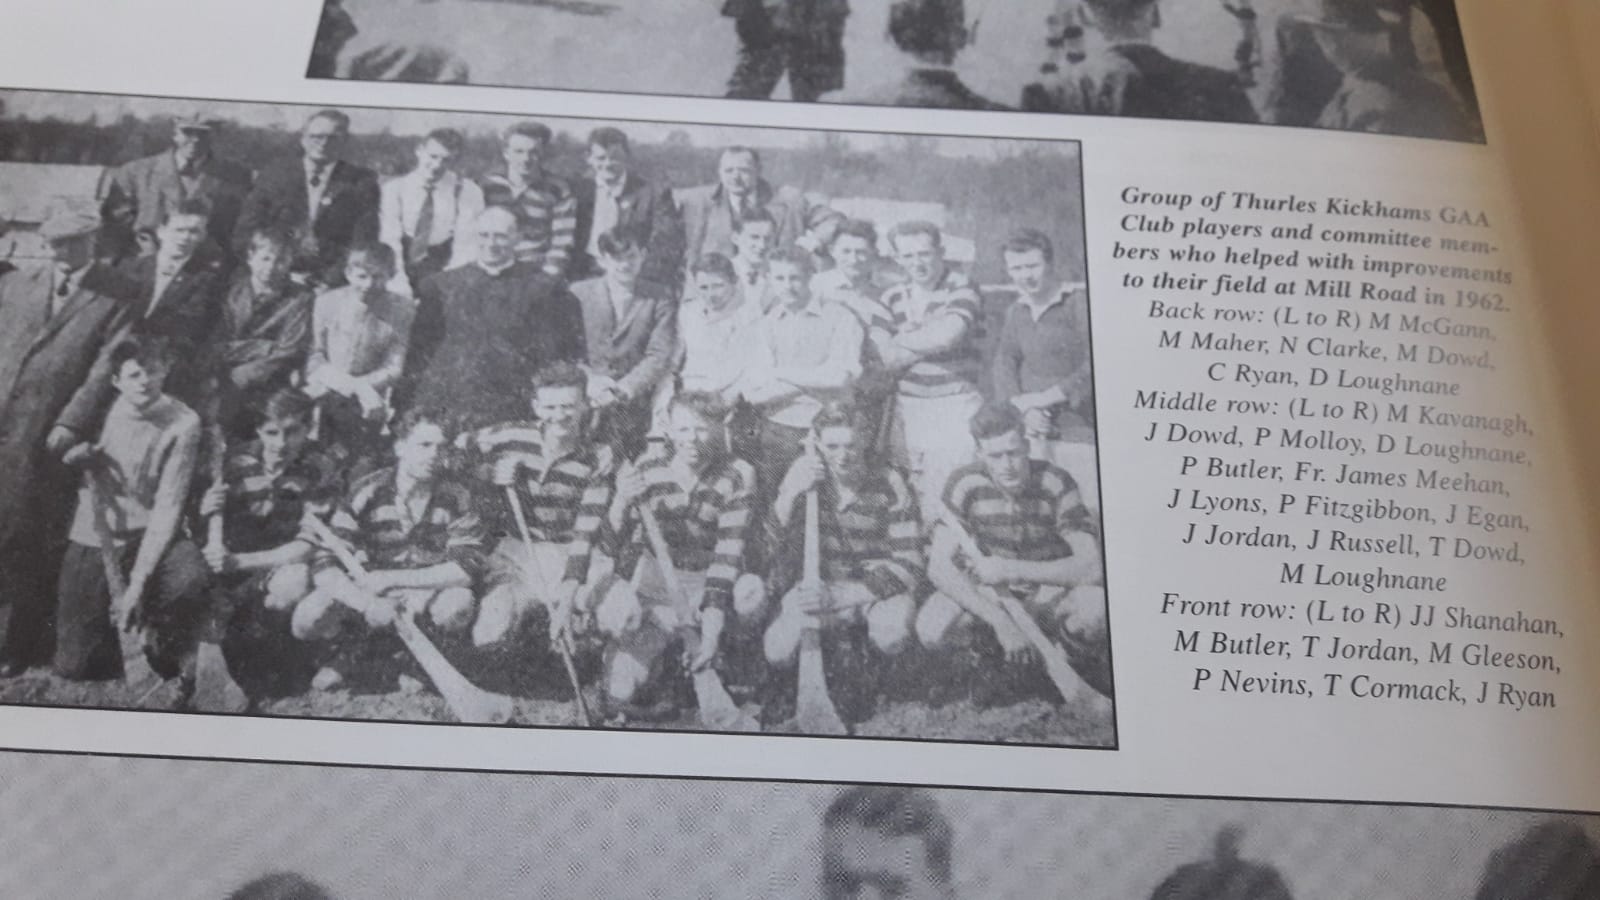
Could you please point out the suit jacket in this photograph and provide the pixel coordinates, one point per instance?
(260, 342)
(645, 209)
(638, 349)
(478, 339)
(349, 212)
(141, 193)
(708, 219)
(45, 361)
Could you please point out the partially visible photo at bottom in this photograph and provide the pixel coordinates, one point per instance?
(82, 826)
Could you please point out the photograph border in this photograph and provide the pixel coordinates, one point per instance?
(1080, 186)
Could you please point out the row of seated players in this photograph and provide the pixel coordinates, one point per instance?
(435, 526)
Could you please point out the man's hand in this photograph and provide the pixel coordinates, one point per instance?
(711, 623)
(806, 473)
(380, 612)
(373, 406)
(377, 583)
(506, 472)
(82, 456)
(213, 500)
(630, 486)
(1014, 643)
(126, 608)
(1035, 421)
(807, 598)
(219, 559)
(603, 391)
(60, 440)
(991, 570)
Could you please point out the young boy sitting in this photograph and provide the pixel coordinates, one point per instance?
(137, 478)
(359, 335)
(265, 329)
(263, 561)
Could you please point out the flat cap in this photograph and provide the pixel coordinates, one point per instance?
(68, 224)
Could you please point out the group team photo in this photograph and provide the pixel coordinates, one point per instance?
(419, 416)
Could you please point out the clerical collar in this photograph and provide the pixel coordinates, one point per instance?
(495, 271)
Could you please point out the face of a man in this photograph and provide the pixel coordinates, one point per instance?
(836, 445)
(497, 238)
(1005, 458)
(789, 284)
(418, 454)
(361, 277)
(560, 409)
(1029, 271)
(753, 241)
(922, 258)
(862, 864)
(694, 438)
(433, 160)
(282, 440)
(524, 155)
(269, 264)
(181, 235)
(190, 144)
(712, 289)
(852, 255)
(72, 253)
(139, 383)
(623, 268)
(323, 140)
(609, 164)
(738, 173)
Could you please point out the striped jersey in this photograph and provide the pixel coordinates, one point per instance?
(873, 536)
(373, 520)
(564, 498)
(706, 527)
(1030, 525)
(547, 218)
(955, 369)
(264, 509)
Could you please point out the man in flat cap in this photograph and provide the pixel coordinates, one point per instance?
(141, 193)
(56, 331)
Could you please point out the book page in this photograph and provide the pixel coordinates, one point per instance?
(519, 416)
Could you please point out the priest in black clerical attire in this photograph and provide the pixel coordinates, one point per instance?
(483, 329)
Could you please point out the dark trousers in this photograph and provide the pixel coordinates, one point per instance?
(813, 57)
(31, 549)
(781, 445)
(172, 611)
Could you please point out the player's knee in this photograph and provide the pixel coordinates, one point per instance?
(496, 615)
(933, 621)
(618, 611)
(889, 623)
(314, 618)
(749, 597)
(452, 609)
(287, 586)
(782, 639)
(625, 677)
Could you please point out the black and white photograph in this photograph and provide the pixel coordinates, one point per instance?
(454, 417)
(1393, 67)
(153, 829)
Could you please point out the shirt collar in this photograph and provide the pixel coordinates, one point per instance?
(611, 191)
(1037, 309)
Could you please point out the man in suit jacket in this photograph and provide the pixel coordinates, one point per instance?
(329, 204)
(55, 331)
(710, 211)
(630, 332)
(484, 329)
(617, 198)
(141, 193)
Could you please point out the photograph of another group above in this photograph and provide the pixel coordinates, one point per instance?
(422, 416)
(77, 827)
(1394, 67)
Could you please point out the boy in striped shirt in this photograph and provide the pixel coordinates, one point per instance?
(545, 206)
(701, 496)
(422, 540)
(871, 549)
(934, 353)
(562, 481)
(1035, 540)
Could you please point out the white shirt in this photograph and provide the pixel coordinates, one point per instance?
(607, 211)
(717, 344)
(457, 202)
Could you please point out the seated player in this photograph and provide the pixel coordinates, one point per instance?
(700, 494)
(265, 326)
(422, 541)
(263, 562)
(359, 335)
(1034, 539)
(562, 481)
(870, 547)
(138, 475)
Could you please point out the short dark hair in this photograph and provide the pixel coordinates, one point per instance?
(561, 374)
(793, 256)
(608, 137)
(897, 811)
(448, 138)
(284, 403)
(416, 417)
(714, 264)
(337, 117)
(281, 886)
(751, 152)
(1027, 240)
(935, 29)
(619, 240)
(994, 419)
(370, 254)
(149, 351)
(706, 405)
(754, 216)
(271, 235)
(535, 130)
(194, 206)
(834, 414)
(857, 228)
(914, 227)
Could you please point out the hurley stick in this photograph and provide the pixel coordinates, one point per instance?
(563, 642)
